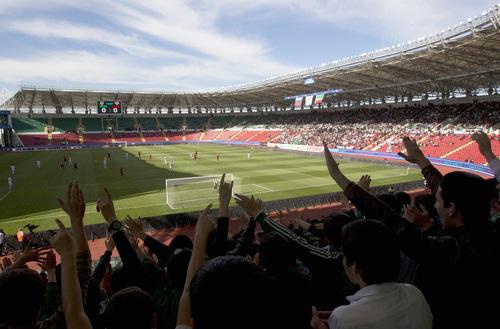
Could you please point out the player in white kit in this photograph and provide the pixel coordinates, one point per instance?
(38, 163)
(13, 169)
(9, 182)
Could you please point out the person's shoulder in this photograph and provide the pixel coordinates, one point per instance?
(344, 316)
(411, 292)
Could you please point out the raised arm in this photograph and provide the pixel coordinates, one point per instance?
(414, 242)
(101, 266)
(162, 251)
(415, 155)
(308, 253)
(221, 232)
(127, 254)
(74, 206)
(484, 143)
(71, 295)
(203, 228)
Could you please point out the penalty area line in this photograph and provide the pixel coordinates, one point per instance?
(3, 197)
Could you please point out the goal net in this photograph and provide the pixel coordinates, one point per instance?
(195, 191)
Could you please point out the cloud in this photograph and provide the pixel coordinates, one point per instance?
(181, 45)
(44, 28)
(81, 68)
(395, 20)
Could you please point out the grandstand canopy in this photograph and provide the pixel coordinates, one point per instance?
(461, 59)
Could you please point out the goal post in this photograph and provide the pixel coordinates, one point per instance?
(123, 144)
(195, 191)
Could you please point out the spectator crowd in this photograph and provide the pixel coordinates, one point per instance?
(385, 262)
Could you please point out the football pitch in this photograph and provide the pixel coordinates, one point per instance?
(141, 191)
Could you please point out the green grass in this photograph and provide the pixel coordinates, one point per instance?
(141, 192)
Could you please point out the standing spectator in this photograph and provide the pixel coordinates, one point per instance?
(371, 260)
(2, 241)
(457, 271)
(20, 237)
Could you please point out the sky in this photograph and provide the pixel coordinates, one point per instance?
(176, 45)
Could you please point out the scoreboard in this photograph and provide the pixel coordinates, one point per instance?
(109, 107)
(4, 119)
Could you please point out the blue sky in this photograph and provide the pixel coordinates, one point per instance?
(176, 45)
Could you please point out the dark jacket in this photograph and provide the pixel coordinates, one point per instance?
(458, 272)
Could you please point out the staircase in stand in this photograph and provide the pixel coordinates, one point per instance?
(164, 136)
(218, 135)
(456, 150)
(235, 135)
(255, 135)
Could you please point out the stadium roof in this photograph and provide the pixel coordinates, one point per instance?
(459, 59)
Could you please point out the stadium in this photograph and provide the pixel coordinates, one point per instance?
(161, 155)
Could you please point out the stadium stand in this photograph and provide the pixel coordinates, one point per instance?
(28, 125)
(442, 131)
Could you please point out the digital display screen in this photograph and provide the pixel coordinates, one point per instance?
(109, 107)
(4, 121)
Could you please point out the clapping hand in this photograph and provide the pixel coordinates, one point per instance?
(251, 205)
(134, 227)
(331, 164)
(421, 219)
(316, 321)
(364, 182)
(484, 143)
(74, 205)
(49, 263)
(30, 255)
(346, 204)
(225, 194)
(205, 224)
(6, 263)
(109, 243)
(413, 153)
(63, 242)
(106, 207)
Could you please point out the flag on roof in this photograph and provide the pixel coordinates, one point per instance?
(309, 100)
(298, 101)
(319, 99)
